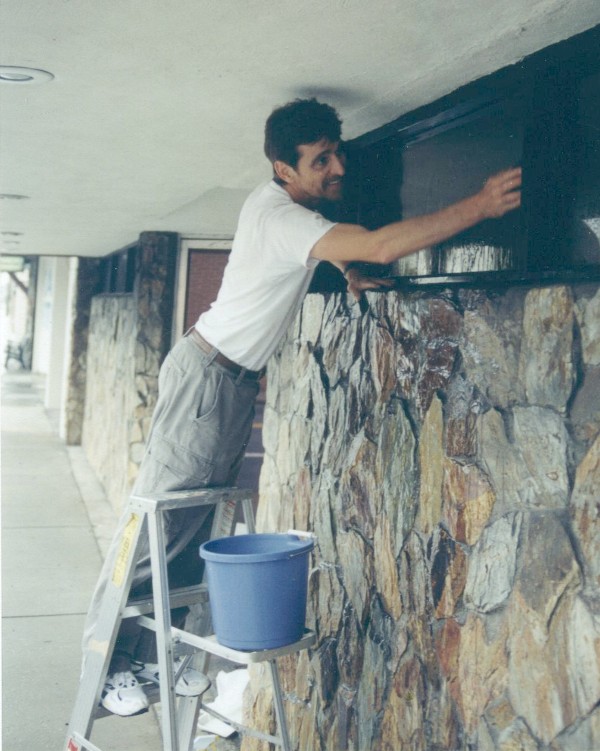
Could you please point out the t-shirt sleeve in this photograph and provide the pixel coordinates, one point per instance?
(293, 231)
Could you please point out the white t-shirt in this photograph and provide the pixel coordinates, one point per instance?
(266, 277)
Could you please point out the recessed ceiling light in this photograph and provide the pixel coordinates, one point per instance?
(20, 75)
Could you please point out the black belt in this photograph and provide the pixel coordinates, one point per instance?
(232, 367)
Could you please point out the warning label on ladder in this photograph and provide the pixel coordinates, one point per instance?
(124, 550)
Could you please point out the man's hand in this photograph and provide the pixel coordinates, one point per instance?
(358, 282)
(500, 194)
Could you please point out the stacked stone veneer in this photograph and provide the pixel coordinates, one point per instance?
(129, 336)
(445, 450)
(87, 284)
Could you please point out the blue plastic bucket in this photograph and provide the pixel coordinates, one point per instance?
(257, 588)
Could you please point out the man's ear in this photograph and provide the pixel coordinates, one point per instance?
(283, 171)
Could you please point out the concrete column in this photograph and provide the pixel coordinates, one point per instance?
(51, 324)
(70, 299)
(59, 334)
(43, 315)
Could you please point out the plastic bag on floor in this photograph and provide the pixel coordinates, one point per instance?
(230, 693)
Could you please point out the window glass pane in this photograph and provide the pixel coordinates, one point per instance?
(451, 165)
(587, 206)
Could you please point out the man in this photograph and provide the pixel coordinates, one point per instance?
(209, 382)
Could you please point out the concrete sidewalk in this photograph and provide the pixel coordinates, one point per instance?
(55, 521)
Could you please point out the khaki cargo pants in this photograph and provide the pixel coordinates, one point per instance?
(200, 429)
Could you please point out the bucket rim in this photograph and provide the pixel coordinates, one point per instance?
(300, 547)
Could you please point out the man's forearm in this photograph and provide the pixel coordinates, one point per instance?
(401, 239)
(346, 242)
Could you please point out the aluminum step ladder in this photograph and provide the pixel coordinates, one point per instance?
(179, 715)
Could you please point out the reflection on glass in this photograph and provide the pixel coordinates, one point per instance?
(441, 168)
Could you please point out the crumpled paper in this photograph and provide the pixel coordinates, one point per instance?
(230, 692)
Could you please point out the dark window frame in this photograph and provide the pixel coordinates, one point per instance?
(119, 271)
(549, 80)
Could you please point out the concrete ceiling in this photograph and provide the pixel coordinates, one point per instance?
(154, 118)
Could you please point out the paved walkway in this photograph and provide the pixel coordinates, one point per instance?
(55, 520)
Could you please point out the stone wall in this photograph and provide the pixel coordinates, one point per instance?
(129, 336)
(445, 450)
(110, 396)
(87, 284)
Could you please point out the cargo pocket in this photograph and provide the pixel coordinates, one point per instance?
(168, 466)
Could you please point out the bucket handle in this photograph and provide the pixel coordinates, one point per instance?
(300, 533)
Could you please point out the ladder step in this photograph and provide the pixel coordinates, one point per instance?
(177, 598)
(181, 499)
(211, 645)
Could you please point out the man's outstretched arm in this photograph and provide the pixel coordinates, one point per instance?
(350, 242)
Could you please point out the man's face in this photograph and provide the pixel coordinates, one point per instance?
(318, 175)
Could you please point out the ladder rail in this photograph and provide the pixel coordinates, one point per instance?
(164, 643)
(279, 708)
(97, 659)
(222, 526)
(248, 509)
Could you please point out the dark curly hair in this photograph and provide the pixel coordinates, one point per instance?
(302, 121)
